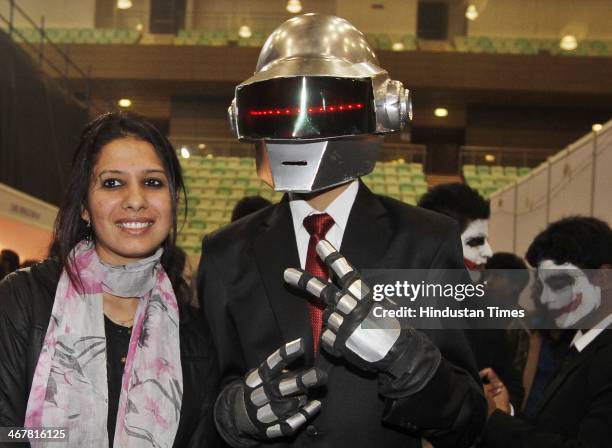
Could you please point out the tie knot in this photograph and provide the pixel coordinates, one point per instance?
(318, 225)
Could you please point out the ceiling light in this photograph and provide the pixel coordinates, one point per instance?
(124, 4)
(201, 146)
(124, 102)
(489, 157)
(397, 46)
(185, 154)
(568, 42)
(441, 112)
(245, 32)
(294, 6)
(597, 127)
(471, 13)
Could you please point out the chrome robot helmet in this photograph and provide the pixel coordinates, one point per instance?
(317, 105)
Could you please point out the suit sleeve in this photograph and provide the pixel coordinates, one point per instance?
(204, 433)
(594, 429)
(213, 299)
(14, 324)
(450, 411)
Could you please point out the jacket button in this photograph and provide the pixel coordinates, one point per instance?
(312, 431)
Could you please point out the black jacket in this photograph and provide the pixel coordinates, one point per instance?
(26, 302)
(575, 411)
(252, 312)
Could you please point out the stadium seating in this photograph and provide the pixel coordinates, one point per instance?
(527, 46)
(488, 179)
(79, 35)
(215, 184)
(380, 41)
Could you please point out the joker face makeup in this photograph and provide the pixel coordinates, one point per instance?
(475, 241)
(567, 293)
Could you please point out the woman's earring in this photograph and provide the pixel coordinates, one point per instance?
(89, 231)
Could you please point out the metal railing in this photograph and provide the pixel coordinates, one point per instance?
(39, 52)
(520, 157)
(228, 147)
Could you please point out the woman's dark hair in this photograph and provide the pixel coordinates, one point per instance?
(457, 201)
(69, 227)
(248, 205)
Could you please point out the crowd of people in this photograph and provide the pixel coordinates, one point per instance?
(101, 338)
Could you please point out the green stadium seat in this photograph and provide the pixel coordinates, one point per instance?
(483, 169)
(522, 171)
(461, 44)
(469, 168)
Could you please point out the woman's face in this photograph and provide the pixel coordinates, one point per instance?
(129, 201)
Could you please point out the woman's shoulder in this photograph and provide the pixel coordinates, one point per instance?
(30, 290)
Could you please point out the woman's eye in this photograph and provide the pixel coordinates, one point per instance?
(156, 183)
(111, 183)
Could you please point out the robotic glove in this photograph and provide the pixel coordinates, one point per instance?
(404, 358)
(270, 401)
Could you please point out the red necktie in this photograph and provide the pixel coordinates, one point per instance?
(317, 226)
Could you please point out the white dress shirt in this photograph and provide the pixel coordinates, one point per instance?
(339, 210)
(581, 340)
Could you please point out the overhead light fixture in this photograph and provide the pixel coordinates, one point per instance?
(124, 102)
(489, 158)
(441, 112)
(294, 6)
(185, 154)
(397, 46)
(245, 31)
(471, 13)
(568, 42)
(597, 127)
(124, 4)
(202, 146)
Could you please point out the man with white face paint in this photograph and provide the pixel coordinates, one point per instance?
(567, 293)
(573, 257)
(472, 212)
(316, 109)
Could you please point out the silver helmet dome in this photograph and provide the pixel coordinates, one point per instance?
(317, 101)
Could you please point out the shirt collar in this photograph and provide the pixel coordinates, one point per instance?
(581, 340)
(339, 209)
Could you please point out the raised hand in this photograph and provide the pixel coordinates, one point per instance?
(351, 331)
(272, 402)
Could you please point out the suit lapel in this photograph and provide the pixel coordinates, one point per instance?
(577, 360)
(275, 250)
(368, 233)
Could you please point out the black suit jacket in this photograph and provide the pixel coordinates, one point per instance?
(252, 312)
(575, 411)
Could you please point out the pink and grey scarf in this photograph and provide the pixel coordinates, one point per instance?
(70, 389)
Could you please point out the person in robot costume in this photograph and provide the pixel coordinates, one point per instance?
(472, 212)
(316, 108)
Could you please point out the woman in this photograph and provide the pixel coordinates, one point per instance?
(95, 340)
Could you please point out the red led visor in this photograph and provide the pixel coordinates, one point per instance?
(305, 108)
(310, 110)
